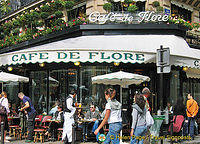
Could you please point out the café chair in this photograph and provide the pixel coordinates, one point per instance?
(39, 132)
(60, 131)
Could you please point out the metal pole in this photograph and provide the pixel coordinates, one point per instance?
(161, 84)
(73, 133)
(2, 132)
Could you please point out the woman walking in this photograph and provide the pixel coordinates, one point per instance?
(138, 128)
(113, 117)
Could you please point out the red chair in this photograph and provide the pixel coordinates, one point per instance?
(39, 132)
(60, 131)
(38, 120)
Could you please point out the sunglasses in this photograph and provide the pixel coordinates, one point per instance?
(91, 107)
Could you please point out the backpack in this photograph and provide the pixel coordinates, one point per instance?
(2, 108)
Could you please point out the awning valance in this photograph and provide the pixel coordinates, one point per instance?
(193, 73)
(103, 48)
(182, 5)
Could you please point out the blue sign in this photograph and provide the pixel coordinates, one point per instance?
(167, 11)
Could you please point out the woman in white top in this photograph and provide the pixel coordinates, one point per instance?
(113, 117)
(4, 118)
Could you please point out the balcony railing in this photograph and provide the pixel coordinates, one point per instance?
(17, 4)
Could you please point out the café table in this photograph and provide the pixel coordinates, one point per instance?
(85, 123)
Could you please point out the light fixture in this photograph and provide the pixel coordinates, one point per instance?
(10, 68)
(41, 64)
(77, 63)
(185, 68)
(116, 63)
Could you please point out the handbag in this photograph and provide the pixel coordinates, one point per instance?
(2, 108)
(149, 119)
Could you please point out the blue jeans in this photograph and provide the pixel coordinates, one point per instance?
(190, 124)
(139, 135)
(114, 133)
(95, 126)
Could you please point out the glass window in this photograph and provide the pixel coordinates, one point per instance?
(181, 12)
(77, 12)
(38, 91)
(174, 87)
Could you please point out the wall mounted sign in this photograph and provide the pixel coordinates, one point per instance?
(146, 16)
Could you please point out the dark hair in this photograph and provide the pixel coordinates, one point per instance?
(109, 92)
(140, 101)
(60, 106)
(72, 91)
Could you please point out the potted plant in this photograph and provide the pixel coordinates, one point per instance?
(156, 4)
(159, 9)
(107, 7)
(44, 15)
(132, 8)
(69, 4)
(58, 4)
(58, 14)
(128, 1)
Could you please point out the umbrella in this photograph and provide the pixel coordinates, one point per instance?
(7, 77)
(120, 78)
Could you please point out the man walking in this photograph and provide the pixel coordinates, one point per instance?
(31, 115)
(192, 110)
(69, 111)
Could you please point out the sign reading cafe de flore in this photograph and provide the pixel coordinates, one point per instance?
(73, 56)
(146, 16)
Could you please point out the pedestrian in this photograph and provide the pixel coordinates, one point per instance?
(4, 117)
(28, 106)
(139, 125)
(146, 93)
(113, 117)
(192, 110)
(69, 112)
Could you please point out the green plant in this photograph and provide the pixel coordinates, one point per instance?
(16, 23)
(59, 21)
(132, 8)
(58, 4)
(58, 14)
(5, 6)
(45, 8)
(69, 4)
(34, 15)
(16, 31)
(159, 9)
(128, 1)
(44, 15)
(156, 4)
(107, 6)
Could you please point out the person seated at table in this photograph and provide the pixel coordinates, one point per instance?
(94, 116)
(13, 111)
(79, 116)
(57, 122)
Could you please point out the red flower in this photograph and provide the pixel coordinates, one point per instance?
(73, 23)
(74, 20)
(51, 16)
(2, 45)
(54, 26)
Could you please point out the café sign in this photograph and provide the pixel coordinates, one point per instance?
(146, 16)
(74, 56)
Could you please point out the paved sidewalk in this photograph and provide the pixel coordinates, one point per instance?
(166, 141)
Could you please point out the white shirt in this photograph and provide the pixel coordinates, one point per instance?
(115, 115)
(69, 103)
(4, 103)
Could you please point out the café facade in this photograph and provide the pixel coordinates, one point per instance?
(70, 58)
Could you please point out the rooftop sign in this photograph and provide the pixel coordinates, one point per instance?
(146, 16)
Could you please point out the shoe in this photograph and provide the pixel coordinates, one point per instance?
(29, 141)
(6, 141)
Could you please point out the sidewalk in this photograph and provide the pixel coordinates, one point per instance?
(166, 141)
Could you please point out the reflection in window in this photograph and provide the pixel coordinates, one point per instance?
(181, 12)
(77, 12)
(39, 91)
(118, 6)
(92, 92)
